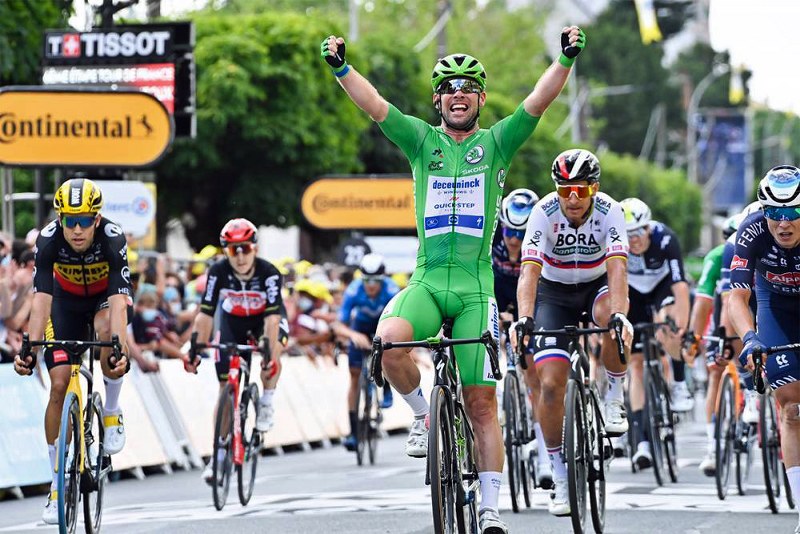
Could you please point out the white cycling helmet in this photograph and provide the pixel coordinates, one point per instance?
(516, 208)
(780, 187)
(751, 209)
(372, 265)
(731, 224)
(637, 214)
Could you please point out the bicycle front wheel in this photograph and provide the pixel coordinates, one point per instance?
(222, 455)
(442, 469)
(68, 467)
(725, 432)
(601, 451)
(770, 450)
(653, 423)
(97, 465)
(669, 444)
(744, 448)
(511, 437)
(577, 454)
(251, 441)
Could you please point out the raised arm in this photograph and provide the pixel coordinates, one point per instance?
(555, 77)
(358, 88)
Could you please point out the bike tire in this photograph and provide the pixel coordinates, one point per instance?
(362, 414)
(251, 441)
(526, 437)
(575, 447)
(653, 417)
(68, 464)
(724, 434)
(374, 423)
(668, 437)
(223, 467)
(468, 485)
(94, 475)
(788, 488)
(746, 442)
(770, 450)
(441, 462)
(597, 467)
(511, 438)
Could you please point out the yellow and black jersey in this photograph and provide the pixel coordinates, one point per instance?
(100, 271)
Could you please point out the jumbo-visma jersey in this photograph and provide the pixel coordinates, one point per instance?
(100, 271)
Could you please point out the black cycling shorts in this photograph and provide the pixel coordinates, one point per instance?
(72, 319)
(643, 304)
(558, 305)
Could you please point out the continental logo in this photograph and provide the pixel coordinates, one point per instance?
(82, 279)
(70, 127)
(360, 203)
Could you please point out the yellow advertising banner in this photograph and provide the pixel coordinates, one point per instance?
(360, 203)
(82, 127)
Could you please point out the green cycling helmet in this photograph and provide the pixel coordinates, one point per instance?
(458, 66)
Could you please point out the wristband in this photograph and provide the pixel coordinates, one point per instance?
(566, 61)
(342, 71)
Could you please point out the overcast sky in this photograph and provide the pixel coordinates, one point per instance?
(762, 34)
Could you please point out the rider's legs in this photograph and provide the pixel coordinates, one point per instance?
(543, 469)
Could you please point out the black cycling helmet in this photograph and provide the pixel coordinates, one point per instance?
(575, 165)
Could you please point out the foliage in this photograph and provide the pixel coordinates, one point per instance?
(22, 25)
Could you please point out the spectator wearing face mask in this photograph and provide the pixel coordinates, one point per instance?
(151, 328)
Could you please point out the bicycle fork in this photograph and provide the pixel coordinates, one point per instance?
(238, 447)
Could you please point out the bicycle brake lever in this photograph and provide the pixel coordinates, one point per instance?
(758, 377)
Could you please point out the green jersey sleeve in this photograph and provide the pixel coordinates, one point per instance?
(512, 131)
(712, 269)
(405, 131)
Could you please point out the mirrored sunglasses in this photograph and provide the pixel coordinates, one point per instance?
(241, 248)
(459, 84)
(638, 232)
(372, 279)
(781, 214)
(581, 191)
(71, 221)
(510, 232)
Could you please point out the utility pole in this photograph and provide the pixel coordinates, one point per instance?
(441, 46)
(108, 9)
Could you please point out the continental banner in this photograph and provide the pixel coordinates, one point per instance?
(82, 127)
(354, 203)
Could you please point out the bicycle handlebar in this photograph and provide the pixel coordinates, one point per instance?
(758, 362)
(73, 347)
(378, 346)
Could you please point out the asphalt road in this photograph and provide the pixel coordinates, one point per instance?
(324, 491)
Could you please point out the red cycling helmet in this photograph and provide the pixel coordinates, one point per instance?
(238, 231)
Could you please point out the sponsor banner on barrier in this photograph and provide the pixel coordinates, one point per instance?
(23, 451)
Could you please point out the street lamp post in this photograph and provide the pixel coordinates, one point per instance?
(691, 110)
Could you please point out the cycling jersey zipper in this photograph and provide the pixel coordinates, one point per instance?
(83, 273)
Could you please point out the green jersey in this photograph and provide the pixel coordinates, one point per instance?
(712, 270)
(458, 188)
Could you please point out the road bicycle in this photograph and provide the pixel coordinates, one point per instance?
(368, 410)
(518, 430)
(82, 465)
(451, 471)
(769, 432)
(733, 437)
(235, 432)
(659, 417)
(587, 449)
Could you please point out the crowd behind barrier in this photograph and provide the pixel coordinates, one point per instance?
(169, 411)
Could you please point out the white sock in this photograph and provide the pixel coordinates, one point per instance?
(490, 489)
(616, 385)
(266, 396)
(51, 451)
(712, 444)
(220, 455)
(793, 474)
(540, 446)
(113, 387)
(418, 402)
(559, 467)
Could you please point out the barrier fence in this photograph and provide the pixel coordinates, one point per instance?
(169, 416)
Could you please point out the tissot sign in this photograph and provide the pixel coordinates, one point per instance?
(81, 128)
(146, 42)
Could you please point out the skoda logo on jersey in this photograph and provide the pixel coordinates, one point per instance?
(475, 155)
(501, 177)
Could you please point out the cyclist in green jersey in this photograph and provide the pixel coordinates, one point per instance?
(459, 171)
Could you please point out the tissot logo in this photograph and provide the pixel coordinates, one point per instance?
(110, 44)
